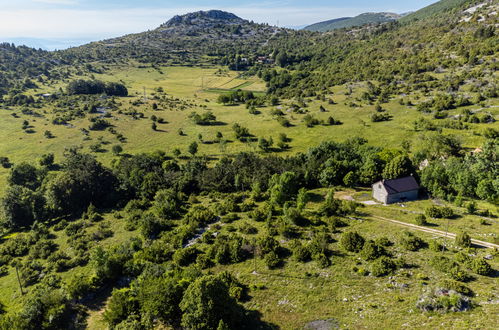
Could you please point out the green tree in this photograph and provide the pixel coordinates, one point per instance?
(121, 305)
(167, 204)
(463, 240)
(193, 148)
(283, 187)
(117, 149)
(25, 175)
(352, 241)
(207, 301)
(398, 167)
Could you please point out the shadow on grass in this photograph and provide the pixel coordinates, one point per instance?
(315, 198)
(253, 320)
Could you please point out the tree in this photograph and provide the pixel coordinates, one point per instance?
(302, 199)
(350, 179)
(352, 241)
(463, 240)
(21, 207)
(207, 301)
(47, 160)
(193, 148)
(167, 204)
(25, 175)
(121, 305)
(83, 181)
(421, 220)
(398, 167)
(265, 144)
(154, 126)
(159, 298)
(48, 134)
(283, 187)
(117, 149)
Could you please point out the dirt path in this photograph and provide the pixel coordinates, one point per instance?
(437, 232)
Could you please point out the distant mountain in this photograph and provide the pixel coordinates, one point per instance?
(347, 22)
(46, 44)
(185, 39)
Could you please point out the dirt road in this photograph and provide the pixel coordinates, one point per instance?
(437, 232)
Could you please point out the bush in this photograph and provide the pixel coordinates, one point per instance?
(456, 286)
(204, 261)
(371, 251)
(248, 229)
(435, 246)
(300, 252)
(352, 241)
(322, 260)
(272, 260)
(439, 212)
(421, 220)
(411, 242)
(383, 266)
(443, 301)
(481, 267)
(463, 240)
(184, 257)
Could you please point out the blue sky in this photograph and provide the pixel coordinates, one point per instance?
(99, 19)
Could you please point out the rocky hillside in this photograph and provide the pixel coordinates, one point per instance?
(348, 22)
(183, 39)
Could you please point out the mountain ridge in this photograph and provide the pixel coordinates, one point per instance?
(347, 22)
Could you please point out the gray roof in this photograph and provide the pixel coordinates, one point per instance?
(395, 186)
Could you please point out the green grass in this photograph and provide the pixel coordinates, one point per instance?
(302, 292)
(9, 290)
(187, 84)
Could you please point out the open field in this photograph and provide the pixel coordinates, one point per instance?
(297, 293)
(186, 84)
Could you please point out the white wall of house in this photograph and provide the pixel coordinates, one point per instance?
(379, 193)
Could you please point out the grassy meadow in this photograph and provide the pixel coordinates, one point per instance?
(297, 293)
(199, 88)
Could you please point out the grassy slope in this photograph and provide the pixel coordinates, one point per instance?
(302, 292)
(363, 19)
(186, 83)
(311, 297)
(435, 8)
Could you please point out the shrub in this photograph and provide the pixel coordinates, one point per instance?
(435, 245)
(204, 261)
(248, 229)
(383, 266)
(268, 244)
(439, 212)
(272, 260)
(300, 252)
(463, 240)
(258, 214)
(411, 242)
(456, 286)
(186, 256)
(352, 241)
(443, 301)
(371, 251)
(384, 241)
(322, 260)
(481, 267)
(421, 220)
